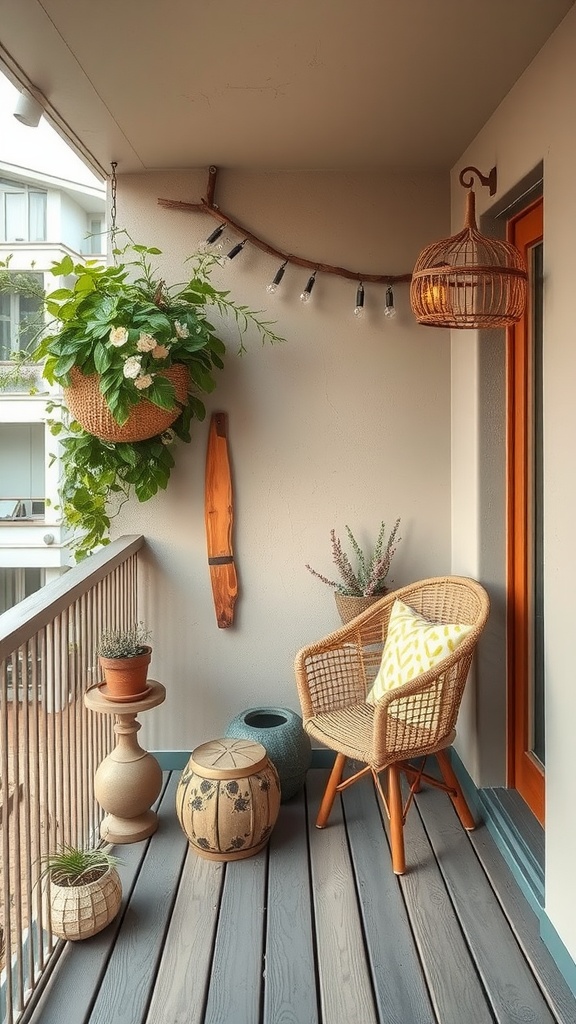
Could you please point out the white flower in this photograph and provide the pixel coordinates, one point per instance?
(167, 437)
(143, 382)
(160, 352)
(132, 368)
(146, 343)
(181, 329)
(118, 336)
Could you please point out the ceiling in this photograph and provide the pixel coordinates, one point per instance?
(265, 84)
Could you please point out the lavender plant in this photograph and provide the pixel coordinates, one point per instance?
(369, 576)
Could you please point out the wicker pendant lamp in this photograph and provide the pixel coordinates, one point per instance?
(469, 280)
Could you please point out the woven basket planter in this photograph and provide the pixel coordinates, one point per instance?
(349, 607)
(79, 911)
(88, 405)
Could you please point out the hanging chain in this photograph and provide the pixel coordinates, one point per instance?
(113, 208)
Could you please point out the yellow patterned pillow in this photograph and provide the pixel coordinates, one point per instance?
(413, 645)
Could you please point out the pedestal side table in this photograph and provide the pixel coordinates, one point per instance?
(129, 779)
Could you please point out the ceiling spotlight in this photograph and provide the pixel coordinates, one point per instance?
(28, 110)
(359, 307)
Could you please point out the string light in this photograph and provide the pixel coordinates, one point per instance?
(273, 286)
(215, 235)
(235, 250)
(359, 307)
(305, 296)
(389, 309)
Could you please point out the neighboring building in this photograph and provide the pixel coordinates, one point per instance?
(42, 218)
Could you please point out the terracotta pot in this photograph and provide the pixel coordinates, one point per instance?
(125, 679)
(80, 911)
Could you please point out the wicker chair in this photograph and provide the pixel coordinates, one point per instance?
(334, 676)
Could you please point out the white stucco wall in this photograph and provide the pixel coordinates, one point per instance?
(345, 422)
(535, 123)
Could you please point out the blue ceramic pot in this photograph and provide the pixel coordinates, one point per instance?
(281, 732)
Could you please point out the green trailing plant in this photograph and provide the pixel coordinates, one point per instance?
(370, 575)
(123, 323)
(124, 643)
(72, 866)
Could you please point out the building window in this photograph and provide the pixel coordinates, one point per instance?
(21, 302)
(96, 242)
(16, 584)
(22, 212)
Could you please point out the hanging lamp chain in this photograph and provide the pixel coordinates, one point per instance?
(113, 206)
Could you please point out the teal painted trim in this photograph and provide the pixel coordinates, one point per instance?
(558, 952)
(506, 837)
(172, 760)
(535, 897)
(176, 760)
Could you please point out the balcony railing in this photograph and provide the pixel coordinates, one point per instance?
(51, 745)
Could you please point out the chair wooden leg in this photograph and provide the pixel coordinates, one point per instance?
(457, 797)
(330, 791)
(396, 820)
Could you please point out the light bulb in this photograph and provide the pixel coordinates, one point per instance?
(305, 296)
(389, 309)
(215, 235)
(273, 286)
(359, 307)
(235, 250)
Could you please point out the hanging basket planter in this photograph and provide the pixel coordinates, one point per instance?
(88, 405)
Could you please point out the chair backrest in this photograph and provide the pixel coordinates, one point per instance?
(421, 714)
(340, 668)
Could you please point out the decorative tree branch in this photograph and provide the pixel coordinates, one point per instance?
(208, 205)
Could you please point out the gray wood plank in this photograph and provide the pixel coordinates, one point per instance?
(510, 986)
(290, 995)
(125, 990)
(401, 993)
(450, 970)
(182, 980)
(235, 984)
(70, 992)
(525, 925)
(346, 993)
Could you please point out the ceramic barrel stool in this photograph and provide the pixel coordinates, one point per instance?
(281, 732)
(228, 798)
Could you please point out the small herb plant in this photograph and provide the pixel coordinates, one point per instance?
(123, 323)
(71, 866)
(124, 643)
(370, 575)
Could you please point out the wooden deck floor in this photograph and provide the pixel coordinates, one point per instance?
(316, 929)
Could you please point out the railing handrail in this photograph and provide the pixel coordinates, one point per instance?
(25, 619)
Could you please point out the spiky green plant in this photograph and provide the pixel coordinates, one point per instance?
(71, 866)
